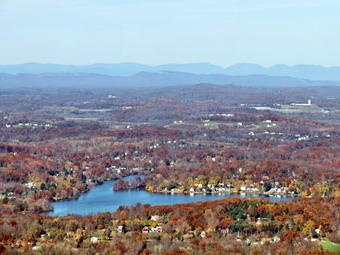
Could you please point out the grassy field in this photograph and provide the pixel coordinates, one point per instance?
(330, 247)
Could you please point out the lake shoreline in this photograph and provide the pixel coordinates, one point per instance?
(102, 198)
(225, 192)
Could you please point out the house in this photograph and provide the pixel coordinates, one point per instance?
(157, 230)
(155, 218)
(192, 190)
(258, 222)
(120, 229)
(145, 230)
(94, 239)
(276, 239)
(203, 234)
(29, 185)
(17, 244)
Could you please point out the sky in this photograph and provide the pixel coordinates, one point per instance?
(222, 32)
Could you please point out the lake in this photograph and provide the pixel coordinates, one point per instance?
(103, 198)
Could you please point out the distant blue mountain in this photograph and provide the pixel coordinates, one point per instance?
(196, 68)
(311, 72)
(150, 79)
(244, 69)
(124, 69)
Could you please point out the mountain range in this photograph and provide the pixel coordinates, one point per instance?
(150, 79)
(311, 72)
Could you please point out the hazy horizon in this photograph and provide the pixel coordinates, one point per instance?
(172, 63)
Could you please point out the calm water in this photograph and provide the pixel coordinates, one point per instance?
(102, 198)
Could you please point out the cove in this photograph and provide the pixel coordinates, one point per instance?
(103, 198)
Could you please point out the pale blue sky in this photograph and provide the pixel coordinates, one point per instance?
(222, 32)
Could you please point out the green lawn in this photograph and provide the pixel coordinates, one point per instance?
(330, 247)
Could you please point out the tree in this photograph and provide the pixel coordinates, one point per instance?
(267, 186)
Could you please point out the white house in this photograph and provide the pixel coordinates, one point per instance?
(155, 218)
(94, 239)
(276, 239)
